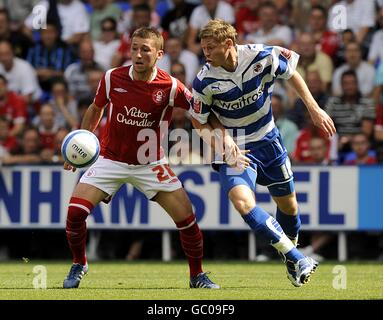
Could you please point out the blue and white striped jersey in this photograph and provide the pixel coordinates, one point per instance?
(242, 99)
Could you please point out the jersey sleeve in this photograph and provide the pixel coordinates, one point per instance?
(183, 96)
(285, 62)
(101, 97)
(201, 102)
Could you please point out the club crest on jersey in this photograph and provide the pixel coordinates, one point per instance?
(158, 96)
(197, 106)
(286, 53)
(258, 68)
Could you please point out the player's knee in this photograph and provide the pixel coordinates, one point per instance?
(243, 206)
(78, 209)
(290, 207)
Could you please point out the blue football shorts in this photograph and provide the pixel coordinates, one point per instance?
(270, 167)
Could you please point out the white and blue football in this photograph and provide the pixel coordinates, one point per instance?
(80, 148)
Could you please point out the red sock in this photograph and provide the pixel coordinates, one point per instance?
(78, 211)
(192, 243)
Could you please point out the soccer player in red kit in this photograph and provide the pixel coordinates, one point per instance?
(138, 97)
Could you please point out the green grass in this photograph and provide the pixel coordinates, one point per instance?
(158, 280)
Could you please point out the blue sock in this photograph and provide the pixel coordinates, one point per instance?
(268, 228)
(290, 224)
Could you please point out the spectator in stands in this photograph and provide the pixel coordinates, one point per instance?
(19, 73)
(20, 42)
(175, 53)
(47, 125)
(50, 56)
(75, 73)
(93, 77)
(302, 152)
(327, 41)
(53, 155)
(311, 59)
(375, 53)
(346, 37)
(288, 129)
(364, 71)
(201, 15)
(301, 12)
(352, 113)
(270, 32)
(175, 22)
(316, 87)
(64, 104)
(13, 108)
(107, 44)
(102, 9)
(131, 18)
(18, 11)
(247, 19)
(7, 142)
(29, 151)
(141, 15)
(73, 17)
(361, 152)
(319, 151)
(360, 17)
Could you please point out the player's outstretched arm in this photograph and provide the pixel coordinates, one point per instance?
(320, 118)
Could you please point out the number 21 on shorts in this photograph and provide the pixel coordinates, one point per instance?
(164, 173)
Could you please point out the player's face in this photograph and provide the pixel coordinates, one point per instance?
(214, 51)
(144, 54)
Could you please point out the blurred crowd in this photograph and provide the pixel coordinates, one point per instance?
(53, 54)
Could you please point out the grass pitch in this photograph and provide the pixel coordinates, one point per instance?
(158, 280)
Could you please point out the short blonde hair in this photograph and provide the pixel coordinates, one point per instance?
(150, 33)
(219, 30)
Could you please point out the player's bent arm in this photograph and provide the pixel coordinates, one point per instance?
(206, 132)
(218, 138)
(89, 122)
(92, 117)
(319, 116)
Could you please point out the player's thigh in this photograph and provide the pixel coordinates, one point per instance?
(89, 192)
(176, 203)
(287, 204)
(243, 198)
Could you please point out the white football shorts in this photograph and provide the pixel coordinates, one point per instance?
(109, 175)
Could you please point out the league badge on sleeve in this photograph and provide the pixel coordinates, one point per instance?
(197, 106)
(188, 94)
(286, 53)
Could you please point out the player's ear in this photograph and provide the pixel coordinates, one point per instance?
(160, 54)
(229, 43)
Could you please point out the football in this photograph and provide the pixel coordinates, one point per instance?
(80, 148)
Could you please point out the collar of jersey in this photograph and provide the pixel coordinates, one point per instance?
(154, 74)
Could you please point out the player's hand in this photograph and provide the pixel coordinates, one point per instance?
(322, 120)
(234, 156)
(67, 166)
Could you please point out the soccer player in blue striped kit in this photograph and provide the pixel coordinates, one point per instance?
(232, 93)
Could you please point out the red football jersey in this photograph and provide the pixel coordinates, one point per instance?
(134, 105)
(14, 109)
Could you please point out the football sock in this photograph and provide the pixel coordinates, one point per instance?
(78, 211)
(268, 228)
(192, 243)
(290, 225)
